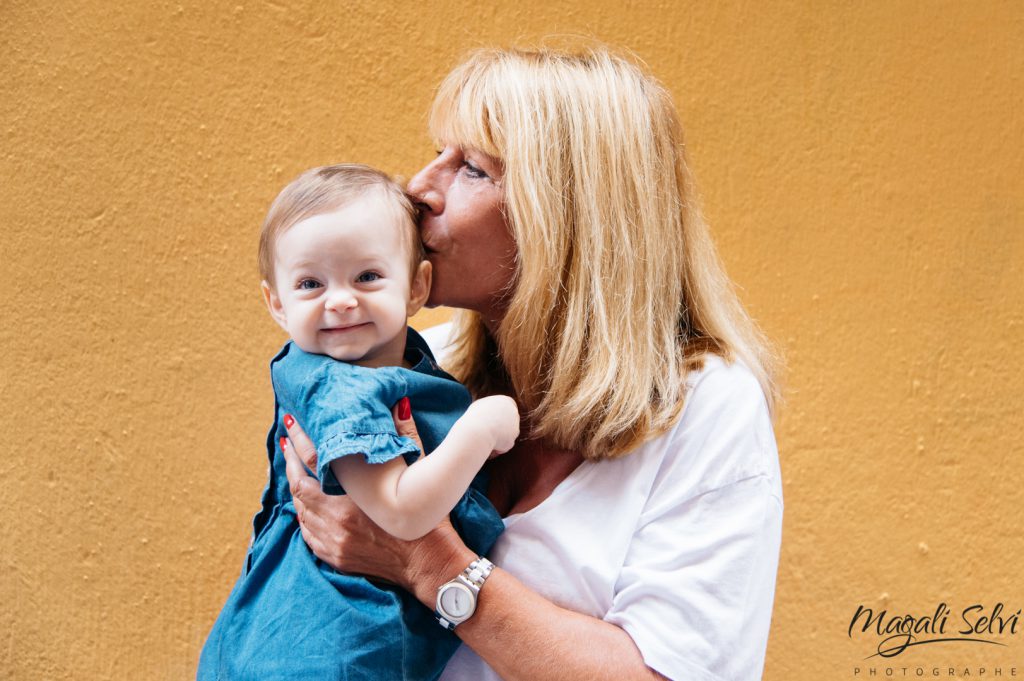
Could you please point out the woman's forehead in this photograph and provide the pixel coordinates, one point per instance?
(465, 140)
(467, 147)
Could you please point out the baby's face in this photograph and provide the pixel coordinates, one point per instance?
(342, 283)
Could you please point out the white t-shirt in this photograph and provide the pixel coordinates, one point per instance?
(677, 542)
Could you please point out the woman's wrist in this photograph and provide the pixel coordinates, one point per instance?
(436, 558)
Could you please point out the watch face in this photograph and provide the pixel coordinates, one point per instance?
(456, 600)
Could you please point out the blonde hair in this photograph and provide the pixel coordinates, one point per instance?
(329, 188)
(618, 292)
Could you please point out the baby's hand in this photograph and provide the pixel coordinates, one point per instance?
(498, 415)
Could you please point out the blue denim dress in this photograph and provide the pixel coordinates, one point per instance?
(290, 616)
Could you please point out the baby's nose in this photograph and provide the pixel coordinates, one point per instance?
(341, 300)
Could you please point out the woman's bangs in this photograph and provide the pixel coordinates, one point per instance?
(461, 113)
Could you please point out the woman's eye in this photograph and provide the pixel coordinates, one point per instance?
(473, 171)
(367, 277)
(307, 284)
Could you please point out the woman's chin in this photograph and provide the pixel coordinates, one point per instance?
(435, 299)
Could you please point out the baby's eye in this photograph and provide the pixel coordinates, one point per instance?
(307, 284)
(367, 277)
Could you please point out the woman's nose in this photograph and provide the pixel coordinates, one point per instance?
(425, 187)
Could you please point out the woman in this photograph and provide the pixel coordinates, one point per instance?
(643, 509)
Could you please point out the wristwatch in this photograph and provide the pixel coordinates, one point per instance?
(456, 600)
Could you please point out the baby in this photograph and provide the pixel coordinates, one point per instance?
(343, 269)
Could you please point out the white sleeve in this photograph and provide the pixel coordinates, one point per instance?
(696, 589)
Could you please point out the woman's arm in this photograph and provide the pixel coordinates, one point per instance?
(518, 632)
(410, 500)
(521, 634)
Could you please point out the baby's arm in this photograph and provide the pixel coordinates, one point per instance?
(409, 501)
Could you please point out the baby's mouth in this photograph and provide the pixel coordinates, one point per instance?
(344, 327)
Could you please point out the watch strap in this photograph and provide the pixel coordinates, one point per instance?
(477, 572)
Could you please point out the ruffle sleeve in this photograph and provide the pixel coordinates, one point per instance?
(343, 408)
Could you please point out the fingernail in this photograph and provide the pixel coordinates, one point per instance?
(288, 420)
(282, 441)
(404, 409)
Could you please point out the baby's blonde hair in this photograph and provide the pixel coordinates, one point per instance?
(329, 188)
(618, 292)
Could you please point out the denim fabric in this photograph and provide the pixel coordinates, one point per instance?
(289, 615)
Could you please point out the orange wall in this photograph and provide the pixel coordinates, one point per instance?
(862, 169)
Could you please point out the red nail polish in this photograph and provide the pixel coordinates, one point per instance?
(282, 442)
(404, 409)
(288, 421)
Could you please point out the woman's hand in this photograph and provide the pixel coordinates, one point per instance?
(343, 536)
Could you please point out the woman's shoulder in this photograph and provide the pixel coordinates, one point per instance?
(723, 384)
(439, 340)
(724, 434)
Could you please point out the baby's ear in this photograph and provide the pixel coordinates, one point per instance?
(419, 291)
(274, 305)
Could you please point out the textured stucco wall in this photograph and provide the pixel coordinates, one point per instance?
(862, 168)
